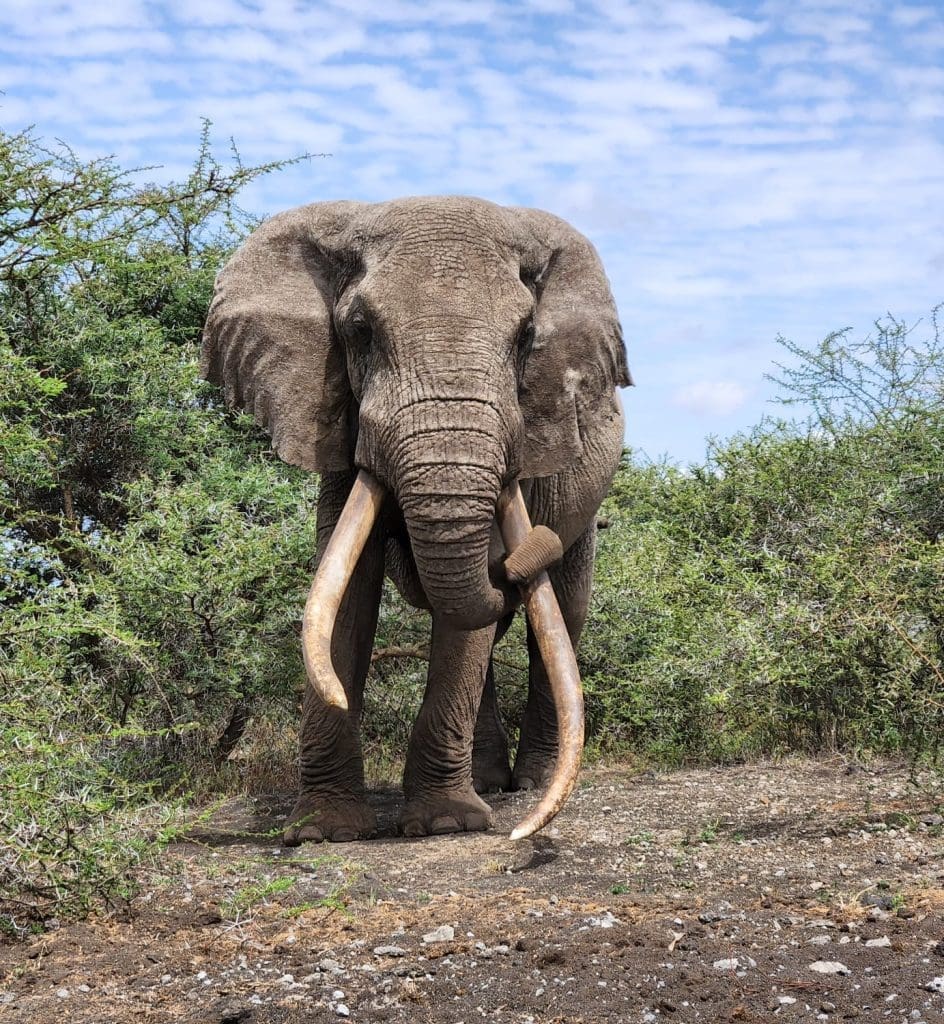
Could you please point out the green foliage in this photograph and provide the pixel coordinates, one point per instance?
(788, 594)
(153, 550)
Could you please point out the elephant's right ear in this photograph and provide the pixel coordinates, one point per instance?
(269, 341)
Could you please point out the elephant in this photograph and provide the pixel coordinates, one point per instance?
(450, 367)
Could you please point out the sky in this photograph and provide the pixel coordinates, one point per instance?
(744, 169)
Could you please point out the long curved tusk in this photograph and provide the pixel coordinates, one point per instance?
(557, 652)
(331, 581)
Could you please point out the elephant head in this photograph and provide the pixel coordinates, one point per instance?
(446, 346)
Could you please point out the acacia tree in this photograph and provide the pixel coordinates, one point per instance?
(152, 550)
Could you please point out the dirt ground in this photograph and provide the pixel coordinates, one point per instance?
(799, 890)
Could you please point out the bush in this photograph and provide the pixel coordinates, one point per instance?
(788, 593)
(154, 551)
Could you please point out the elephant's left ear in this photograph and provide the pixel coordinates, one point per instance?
(578, 358)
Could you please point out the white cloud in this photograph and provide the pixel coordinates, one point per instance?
(911, 16)
(711, 397)
(750, 168)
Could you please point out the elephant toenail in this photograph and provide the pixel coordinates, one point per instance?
(525, 783)
(343, 835)
(476, 822)
(444, 824)
(413, 829)
(310, 834)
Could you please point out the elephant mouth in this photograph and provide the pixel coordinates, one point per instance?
(331, 581)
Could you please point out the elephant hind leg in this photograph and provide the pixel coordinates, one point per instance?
(491, 772)
(537, 746)
(437, 782)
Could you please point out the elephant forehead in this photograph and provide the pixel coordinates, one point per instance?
(444, 222)
(443, 291)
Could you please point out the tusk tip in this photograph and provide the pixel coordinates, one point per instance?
(520, 832)
(334, 697)
(339, 701)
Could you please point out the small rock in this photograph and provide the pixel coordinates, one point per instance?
(444, 933)
(932, 819)
(829, 967)
(883, 942)
(342, 1011)
(729, 964)
(827, 1007)
(389, 951)
(330, 965)
(786, 1000)
(412, 971)
(63, 993)
(337, 994)
(934, 985)
(231, 1013)
(606, 920)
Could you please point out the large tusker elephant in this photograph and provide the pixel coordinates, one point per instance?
(426, 356)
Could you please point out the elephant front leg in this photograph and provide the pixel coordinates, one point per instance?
(537, 745)
(437, 782)
(332, 801)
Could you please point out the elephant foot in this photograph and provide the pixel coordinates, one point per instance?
(436, 814)
(317, 817)
(491, 778)
(534, 770)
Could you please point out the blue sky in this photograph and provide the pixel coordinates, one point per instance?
(745, 169)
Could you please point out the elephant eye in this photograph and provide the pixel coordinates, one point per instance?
(357, 329)
(523, 345)
(525, 337)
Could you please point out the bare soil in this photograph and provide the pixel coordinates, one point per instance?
(708, 895)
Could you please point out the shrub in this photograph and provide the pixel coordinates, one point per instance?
(153, 549)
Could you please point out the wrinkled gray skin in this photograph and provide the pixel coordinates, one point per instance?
(448, 346)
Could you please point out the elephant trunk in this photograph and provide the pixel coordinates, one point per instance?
(448, 489)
